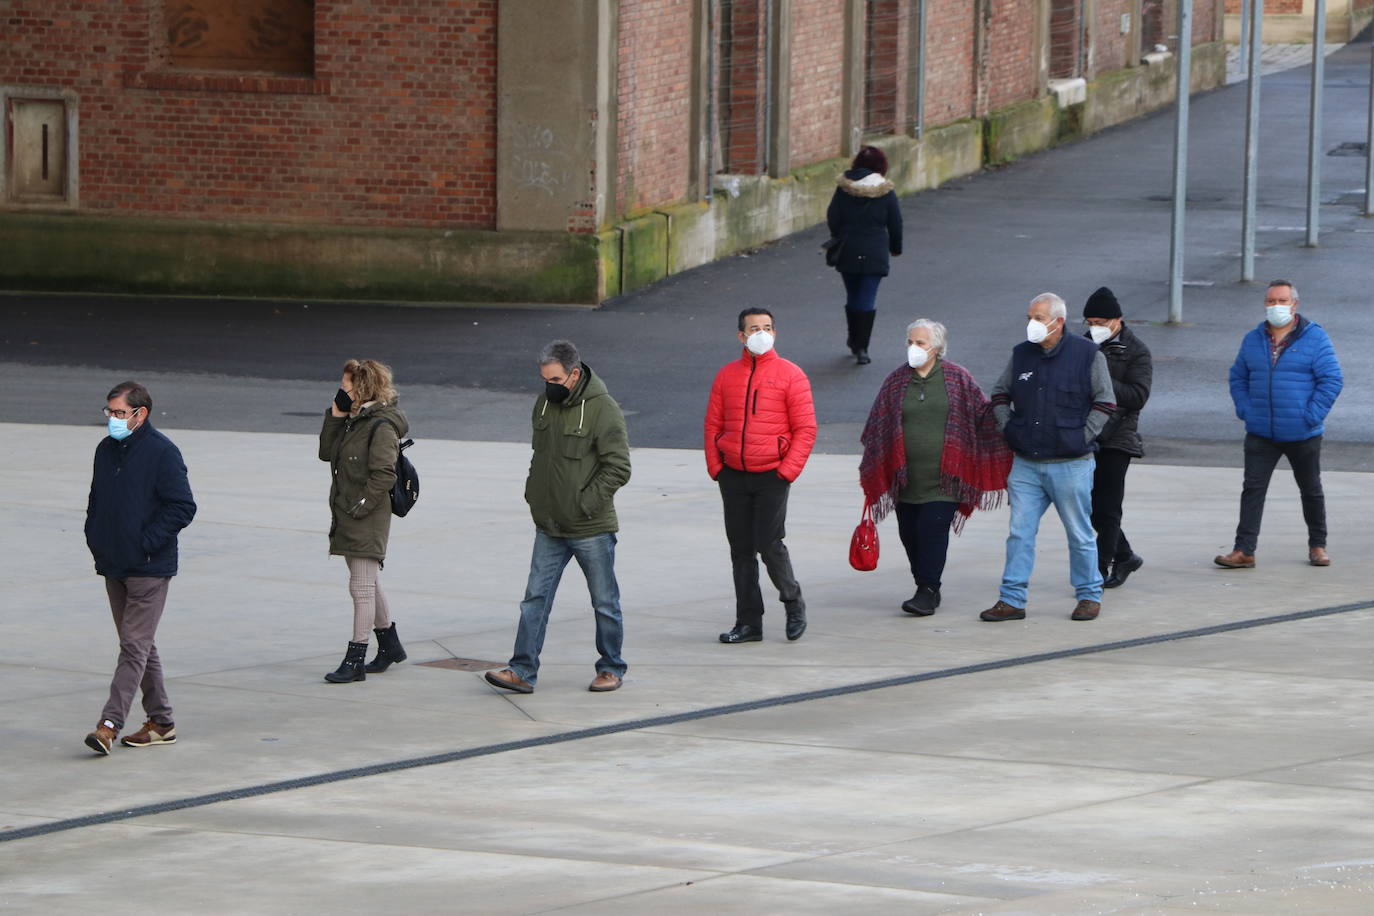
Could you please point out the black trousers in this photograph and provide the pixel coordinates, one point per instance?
(1261, 456)
(1109, 489)
(755, 522)
(924, 530)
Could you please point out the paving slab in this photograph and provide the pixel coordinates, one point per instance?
(1080, 782)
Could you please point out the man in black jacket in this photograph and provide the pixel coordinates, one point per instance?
(1131, 368)
(140, 498)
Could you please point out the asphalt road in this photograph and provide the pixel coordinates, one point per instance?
(1068, 220)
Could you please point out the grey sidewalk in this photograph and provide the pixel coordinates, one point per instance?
(1231, 772)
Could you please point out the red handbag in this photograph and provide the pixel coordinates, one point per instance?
(863, 546)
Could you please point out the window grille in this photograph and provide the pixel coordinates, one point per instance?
(1151, 25)
(741, 94)
(1066, 39)
(882, 66)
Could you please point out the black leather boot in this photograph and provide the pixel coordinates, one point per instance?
(849, 330)
(389, 650)
(351, 668)
(863, 330)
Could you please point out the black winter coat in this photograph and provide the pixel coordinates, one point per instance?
(868, 217)
(140, 498)
(1132, 370)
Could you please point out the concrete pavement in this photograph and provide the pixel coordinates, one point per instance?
(1232, 772)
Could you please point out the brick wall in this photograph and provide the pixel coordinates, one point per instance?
(1010, 69)
(949, 61)
(1108, 49)
(1206, 25)
(654, 112)
(397, 126)
(1275, 6)
(817, 79)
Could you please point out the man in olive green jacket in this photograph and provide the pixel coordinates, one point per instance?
(581, 457)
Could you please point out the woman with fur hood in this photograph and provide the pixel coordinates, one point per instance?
(866, 219)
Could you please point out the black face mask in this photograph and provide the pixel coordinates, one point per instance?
(555, 392)
(343, 400)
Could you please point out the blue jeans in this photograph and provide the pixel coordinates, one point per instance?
(1031, 488)
(596, 556)
(861, 291)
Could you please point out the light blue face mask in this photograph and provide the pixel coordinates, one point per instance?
(119, 429)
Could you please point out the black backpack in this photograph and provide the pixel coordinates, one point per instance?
(406, 491)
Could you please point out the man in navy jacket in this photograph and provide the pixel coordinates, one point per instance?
(1283, 382)
(1051, 403)
(140, 498)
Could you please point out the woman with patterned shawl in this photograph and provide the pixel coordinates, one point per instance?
(932, 454)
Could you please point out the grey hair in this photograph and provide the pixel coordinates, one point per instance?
(937, 331)
(1057, 307)
(1287, 283)
(562, 352)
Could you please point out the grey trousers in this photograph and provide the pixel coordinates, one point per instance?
(136, 604)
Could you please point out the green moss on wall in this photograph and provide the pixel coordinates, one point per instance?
(110, 254)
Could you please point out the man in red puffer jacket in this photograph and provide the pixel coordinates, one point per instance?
(760, 428)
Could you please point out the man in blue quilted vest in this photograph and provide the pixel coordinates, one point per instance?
(1283, 382)
(1051, 403)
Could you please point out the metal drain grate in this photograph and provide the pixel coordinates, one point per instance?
(1348, 149)
(462, 664)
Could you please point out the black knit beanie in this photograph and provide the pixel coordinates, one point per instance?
(1102, 304)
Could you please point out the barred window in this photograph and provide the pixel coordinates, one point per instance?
(1152, 25)
(740, 35)
(882, 66)
(276, 36)
(1066, 39)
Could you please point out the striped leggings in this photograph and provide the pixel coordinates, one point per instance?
(369, 604)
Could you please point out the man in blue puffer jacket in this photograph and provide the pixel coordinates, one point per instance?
(1283, 382)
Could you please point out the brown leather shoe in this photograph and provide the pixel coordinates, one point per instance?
(1235, 560)
(1003, 611)
(102, 739)
(150, 734)
(1317, 556)
(507, 679)
(605, 681)
(1086, 610)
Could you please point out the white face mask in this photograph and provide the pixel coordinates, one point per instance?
(1100, 335)
(1279, 315)
(1036, 331)
(916, 356)
(759, 342)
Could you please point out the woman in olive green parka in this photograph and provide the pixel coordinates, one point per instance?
(361, 441)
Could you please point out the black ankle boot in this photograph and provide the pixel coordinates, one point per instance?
(389, 650)
(351, 668)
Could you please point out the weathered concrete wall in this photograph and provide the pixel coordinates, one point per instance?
(554, 169)
(164, 256)
(117, 254)
(748, 211)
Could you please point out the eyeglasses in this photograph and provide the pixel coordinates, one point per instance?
(120, 414)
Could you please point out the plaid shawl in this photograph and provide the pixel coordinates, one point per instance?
(974, 463)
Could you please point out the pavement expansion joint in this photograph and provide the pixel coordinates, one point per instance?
(655, 721)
